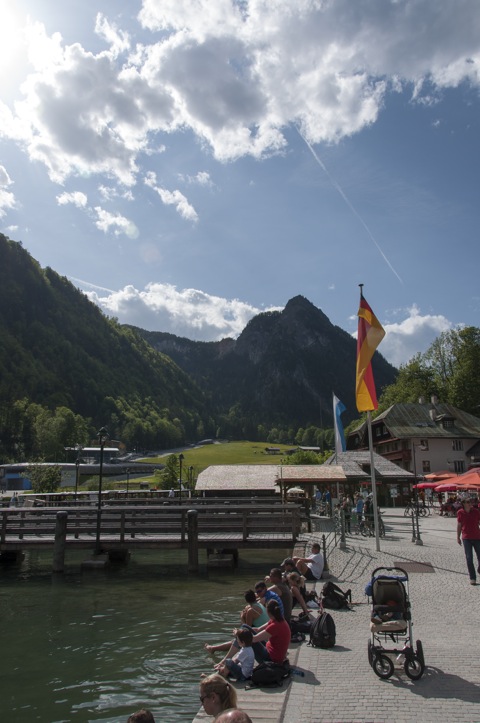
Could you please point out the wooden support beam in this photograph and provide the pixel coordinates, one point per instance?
(60, 541)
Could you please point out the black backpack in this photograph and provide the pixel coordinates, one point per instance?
(269, 673)
(334, 598)
(323, 632)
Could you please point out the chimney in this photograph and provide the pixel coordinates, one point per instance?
(433, 414)
(434, 399)
(421, 400)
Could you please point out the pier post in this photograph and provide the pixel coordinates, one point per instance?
(192, 527)
(60, 541)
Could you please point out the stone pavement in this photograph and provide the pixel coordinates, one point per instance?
(339, 684)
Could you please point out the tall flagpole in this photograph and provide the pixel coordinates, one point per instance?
(374, 485)
(370, 334)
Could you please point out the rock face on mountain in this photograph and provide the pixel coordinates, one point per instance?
(281, 370)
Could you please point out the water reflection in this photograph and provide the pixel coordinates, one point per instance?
(99, 645)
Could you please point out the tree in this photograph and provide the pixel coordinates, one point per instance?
(448, 370)
(45, 479)
(415, 379)
(455, 359)
(301, 457)
(169, 475)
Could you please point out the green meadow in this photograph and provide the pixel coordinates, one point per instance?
(228, 453)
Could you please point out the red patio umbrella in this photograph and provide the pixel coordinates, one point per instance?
(469, 479)
(425, 485)
(446, 487)
(438, 476)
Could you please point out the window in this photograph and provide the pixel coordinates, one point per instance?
(426, 466)
(457, 445)
(447, 423)
(424, 445)
(459, 466)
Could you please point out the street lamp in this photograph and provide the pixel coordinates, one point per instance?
(102, 436)
(418, 540)
(180, 459)
(77, 474)
(127, 472)
(190, 479)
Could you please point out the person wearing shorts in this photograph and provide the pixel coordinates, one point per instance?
(311, 567)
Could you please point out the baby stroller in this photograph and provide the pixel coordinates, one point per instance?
(391, 625)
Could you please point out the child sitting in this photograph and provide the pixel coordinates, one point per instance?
(241, 665)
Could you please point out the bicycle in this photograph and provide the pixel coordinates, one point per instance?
(411, 509)
(367, 527)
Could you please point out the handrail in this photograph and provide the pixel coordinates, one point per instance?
(122, 522)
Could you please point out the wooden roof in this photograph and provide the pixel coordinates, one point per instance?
(264, 476)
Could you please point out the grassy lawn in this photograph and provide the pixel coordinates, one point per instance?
(228, 453)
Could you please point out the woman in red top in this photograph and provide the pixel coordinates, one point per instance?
(468, 521)
(271, 641)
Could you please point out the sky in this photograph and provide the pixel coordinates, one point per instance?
(189, 164)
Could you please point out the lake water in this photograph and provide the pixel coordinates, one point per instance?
(98, 645)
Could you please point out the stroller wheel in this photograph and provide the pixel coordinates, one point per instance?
(414, 668)
(383, 666)
(370, 653)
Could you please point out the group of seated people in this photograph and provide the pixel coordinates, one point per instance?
(452, 504)
(265, 632)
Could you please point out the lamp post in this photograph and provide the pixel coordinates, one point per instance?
(190, 479)
(180, 459)
(418, 540)
(102, 436)
(77, 474)
(127, 472)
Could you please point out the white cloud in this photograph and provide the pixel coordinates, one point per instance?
(412, 335)
(77, 198)
(235, 73)
(202, 178)
(188, 312)
(107, 222)
(172, 198)
(118, 40)
(200, 316)
(7, 199)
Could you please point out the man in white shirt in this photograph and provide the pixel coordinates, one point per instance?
(311, 567)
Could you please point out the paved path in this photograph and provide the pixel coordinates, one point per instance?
(339, 685)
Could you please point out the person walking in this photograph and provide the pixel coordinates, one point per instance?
(468, 533)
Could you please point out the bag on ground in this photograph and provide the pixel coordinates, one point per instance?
(323, 632)
(334, 598)
(269, 673)
(300, 625)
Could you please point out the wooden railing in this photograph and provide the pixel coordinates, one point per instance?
(152, 526)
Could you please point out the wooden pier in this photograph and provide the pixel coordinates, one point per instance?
(123, 528)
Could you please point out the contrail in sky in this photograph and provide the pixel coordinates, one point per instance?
(92, 286)
(349, 204)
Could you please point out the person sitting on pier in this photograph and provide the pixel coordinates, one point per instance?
(264, 595)
(269, 642)
(311, 567)
(254, 613)
(217, 694)
(297, 588)
(282, 589)
(241, 665)
(288, 565)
